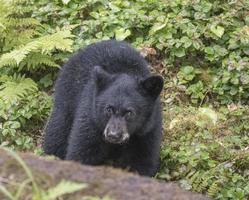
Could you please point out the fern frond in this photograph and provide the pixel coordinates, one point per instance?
(200, 180)
(37, 60)
(59, 40)
(16, 27)
(16, 56)
(18, 38)
(21, 7)
(20, 22)
(4, 10)
(13, 88)
(214, 189)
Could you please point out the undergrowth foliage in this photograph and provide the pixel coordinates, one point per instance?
(26, 49)
(207, 36)
(207, 150)
(201, 47)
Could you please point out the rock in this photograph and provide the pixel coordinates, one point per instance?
(102, 181)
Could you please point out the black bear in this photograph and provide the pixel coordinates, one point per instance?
(107, 110)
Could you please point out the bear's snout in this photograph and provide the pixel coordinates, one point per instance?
(116, 131)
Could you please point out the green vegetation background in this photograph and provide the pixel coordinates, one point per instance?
(201, 48)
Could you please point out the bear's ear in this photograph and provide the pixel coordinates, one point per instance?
(101, 77)
(153, 85)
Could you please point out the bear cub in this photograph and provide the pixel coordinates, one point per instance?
(107, 110)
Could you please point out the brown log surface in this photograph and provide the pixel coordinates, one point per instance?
(102, 181)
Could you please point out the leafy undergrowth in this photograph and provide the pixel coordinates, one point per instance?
(30, 53)
(207, 150)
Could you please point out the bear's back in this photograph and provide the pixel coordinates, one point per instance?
(115, 57)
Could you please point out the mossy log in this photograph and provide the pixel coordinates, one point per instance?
(101, 181)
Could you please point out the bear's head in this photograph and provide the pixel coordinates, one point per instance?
(123, 104)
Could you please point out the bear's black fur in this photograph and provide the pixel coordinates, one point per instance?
(107, 109)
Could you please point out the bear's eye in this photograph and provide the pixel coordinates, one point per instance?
(109, 110)
(129, 114)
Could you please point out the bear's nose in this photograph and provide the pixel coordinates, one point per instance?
(114, 135)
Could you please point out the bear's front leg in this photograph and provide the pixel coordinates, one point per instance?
(141, 155)
(57, 131)
(145, 167)
(86, 146)
(138, 162)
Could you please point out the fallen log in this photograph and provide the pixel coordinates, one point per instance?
(101, 181)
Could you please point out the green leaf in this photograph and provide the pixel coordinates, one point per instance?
(64, 187)
(46, 81)
(186, 41)
(219, 50)
(217, 30)
(65, 1)
(187, 69)
(246, 50)
(15, 125)
(233, 91)
(157, 26)
(209, 50)
(196, 44)
(180, 52)
(244, 79)
(121, 34)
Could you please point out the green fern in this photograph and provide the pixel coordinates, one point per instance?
(43, 45)
(195, 180)
(64, 187)
(60, 40)
(16, 87)
(25, 48)
(16, 56)
(37, 60)
(200, 181)
(214, 189)
(16, 25)
(20, 22)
